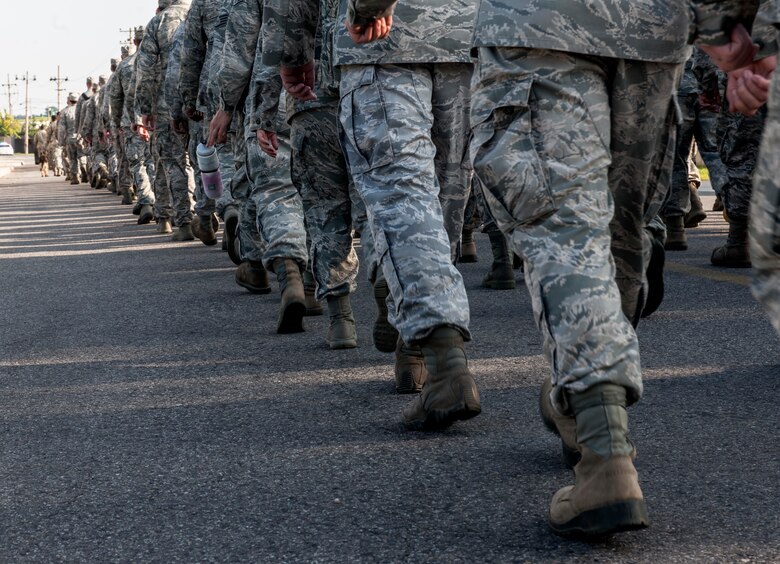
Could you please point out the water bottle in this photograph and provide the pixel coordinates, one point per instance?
(208, 163)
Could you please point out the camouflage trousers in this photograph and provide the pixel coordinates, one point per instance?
(387, 115)
(320, 174)
(700, 125)
(765, 213)
(72, 147)
(125, 176)
(204, 205)
(559, 141)
(98, 158)
(175, 183)
(276, 204)
(141, 164)
(55, 158)
(740, 142)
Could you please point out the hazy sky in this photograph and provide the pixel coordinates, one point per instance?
(81, 36)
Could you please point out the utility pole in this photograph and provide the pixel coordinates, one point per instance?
(26, 79)
(129, 33)
(8, 86)
(59, 82)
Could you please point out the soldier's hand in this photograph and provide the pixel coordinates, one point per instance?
(374, 31)
(299, 81)
(218, 128)
(268, 141)
(143, 133)
(748, 88)
(149, 122)
(735, 54)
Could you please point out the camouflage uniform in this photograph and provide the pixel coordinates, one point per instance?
(53, 148)
(740, 140)
(80, 115)
(277, 205)
(139, 157)
(697, 123)
(403, 113)
(204, 30)
(569, 128)
(92, 129)
(319, 171)
(68, 138)
(765, 203)
(176, 180)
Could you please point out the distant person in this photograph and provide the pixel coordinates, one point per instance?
(41, 138)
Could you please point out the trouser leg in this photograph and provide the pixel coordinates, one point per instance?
(386, 118)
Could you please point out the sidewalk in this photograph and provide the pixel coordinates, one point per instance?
(9, 163)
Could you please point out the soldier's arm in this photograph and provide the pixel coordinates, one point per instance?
(714, 20)
(116, 100)
(193, 56)
(172, 78)
(290, 26)
(147, 60)
(238, 52)
(266, 92)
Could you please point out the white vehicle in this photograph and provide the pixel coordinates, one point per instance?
(6, 149)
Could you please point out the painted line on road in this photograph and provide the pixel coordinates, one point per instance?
(715, 275)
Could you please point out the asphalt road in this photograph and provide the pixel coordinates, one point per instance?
(148, 412)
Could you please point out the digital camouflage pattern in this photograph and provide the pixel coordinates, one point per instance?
(388, 144)
(201, 28)
(175, 183)
(740, 141)
(319, 172)
(647, 30)
(558, 152)
(67, 136)
(765, 212)
(152, 60)
(242, 41)
(424, 31)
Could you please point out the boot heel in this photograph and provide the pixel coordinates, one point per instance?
(615, 518)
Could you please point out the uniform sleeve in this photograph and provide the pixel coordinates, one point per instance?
(290, 26)
(366, 11)
(242, 33)
(147, 63)
(765, 32)
(173, 76)
(117, 98)
(88, 113)
(713, 20)
(193, 55)
(267, 90)
(130, 105)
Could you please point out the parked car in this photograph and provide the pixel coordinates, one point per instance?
(6, 149)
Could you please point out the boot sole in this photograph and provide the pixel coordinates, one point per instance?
(500, 285)
(145, 219)
(732, 265)
(343, 344)
(314, 311)
(291, 319)
(468, 258)
(603, 521)
(254, 289)
(436, 419)
(694, 220)
(406, 385)
(676, 247)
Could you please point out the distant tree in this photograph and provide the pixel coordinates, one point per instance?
(9, 127)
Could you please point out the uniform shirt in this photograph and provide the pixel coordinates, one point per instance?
(204, 24)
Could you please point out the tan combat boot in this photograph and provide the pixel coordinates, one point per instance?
(697, 214)
(254, 277)
(341, 333)
(385, 335)
(164, 226)
(736, 252)
(562, 425)
(450, 393)
(675, 234)
(410, 370)
(468, 248)
(501, 275)
(606, 497)
(145, 214)
(205, 228)
(231, 217)
(293, 306)
(183, 233)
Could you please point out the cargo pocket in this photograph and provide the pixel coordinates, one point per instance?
(364, 129)
(506, 160)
